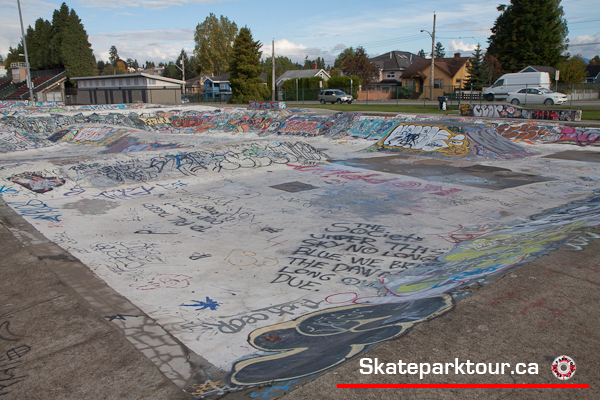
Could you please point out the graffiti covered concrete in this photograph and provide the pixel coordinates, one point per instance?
(185, 212)
(510, 111)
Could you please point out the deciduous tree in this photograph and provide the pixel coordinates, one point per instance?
(346, 53)
(572, 70)
(214, 44)
(362, 66)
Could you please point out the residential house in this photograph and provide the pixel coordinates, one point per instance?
(129, 88)
(449, 74)
(540, 68)
(592, 74)
(391, 66)
(195, 85)
(217, 88)
(299, 74)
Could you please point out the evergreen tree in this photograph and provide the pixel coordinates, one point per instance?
(439, 51)
(13, 56)
(214, 38)
(171, 71)
(76, 51)
(59, 22)
(529, 33)
(421, 53)
(595, 60)
(478, 75)
(39, 50)
(245, 69)
(113, 55)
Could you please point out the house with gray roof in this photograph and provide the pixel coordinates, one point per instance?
(391, 66)
(592, 74)
(301, 73)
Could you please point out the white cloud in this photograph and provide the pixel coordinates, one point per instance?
(297, 52)
(585, 45)
(461, 47)
(152, 45)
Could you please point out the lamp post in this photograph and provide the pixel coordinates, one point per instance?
(29, 84)
(182, 69)
(432, 55)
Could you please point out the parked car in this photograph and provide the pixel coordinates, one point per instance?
(513, 82)
(334, 96)
(536, 96)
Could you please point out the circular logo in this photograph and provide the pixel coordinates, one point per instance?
(563, 368)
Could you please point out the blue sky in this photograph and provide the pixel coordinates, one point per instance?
(157, 30)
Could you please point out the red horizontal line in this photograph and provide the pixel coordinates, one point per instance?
(463, 386)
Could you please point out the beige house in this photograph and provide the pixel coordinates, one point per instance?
(449, 74)
(128, 88)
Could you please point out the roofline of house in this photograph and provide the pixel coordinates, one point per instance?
(137, 74)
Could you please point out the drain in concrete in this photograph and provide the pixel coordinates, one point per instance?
(572, 155)
(294, 187)
(482, 176)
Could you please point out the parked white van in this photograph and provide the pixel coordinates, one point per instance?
(513, 82)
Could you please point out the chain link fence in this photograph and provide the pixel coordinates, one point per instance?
(454, 95)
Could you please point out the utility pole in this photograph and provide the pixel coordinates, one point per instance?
(273, 72)
(182, 69)
(432, 56)
(29, 83)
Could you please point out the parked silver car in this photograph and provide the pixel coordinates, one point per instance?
(536, 96)
(334, 96)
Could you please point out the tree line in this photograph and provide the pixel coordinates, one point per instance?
(523, 34)
(62, 43)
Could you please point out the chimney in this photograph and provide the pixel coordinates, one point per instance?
(456, 55)
(314, 65)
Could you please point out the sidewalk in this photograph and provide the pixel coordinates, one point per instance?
(53, 345)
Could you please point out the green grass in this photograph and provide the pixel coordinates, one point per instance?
(588, 112)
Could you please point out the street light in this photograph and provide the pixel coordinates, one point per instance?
(182, 69)
(29, 84)
(432, 55)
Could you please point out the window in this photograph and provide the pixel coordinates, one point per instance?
(151, 81)
(410, 83)
(458, 81)
(127, 81)
(136, 81)
(103, 82)
(499, 82)
(391, 74)
(438, 83)
(523, 91)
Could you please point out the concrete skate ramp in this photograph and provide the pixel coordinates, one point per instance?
(467, 141)
(481, 176)
(257, 253)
